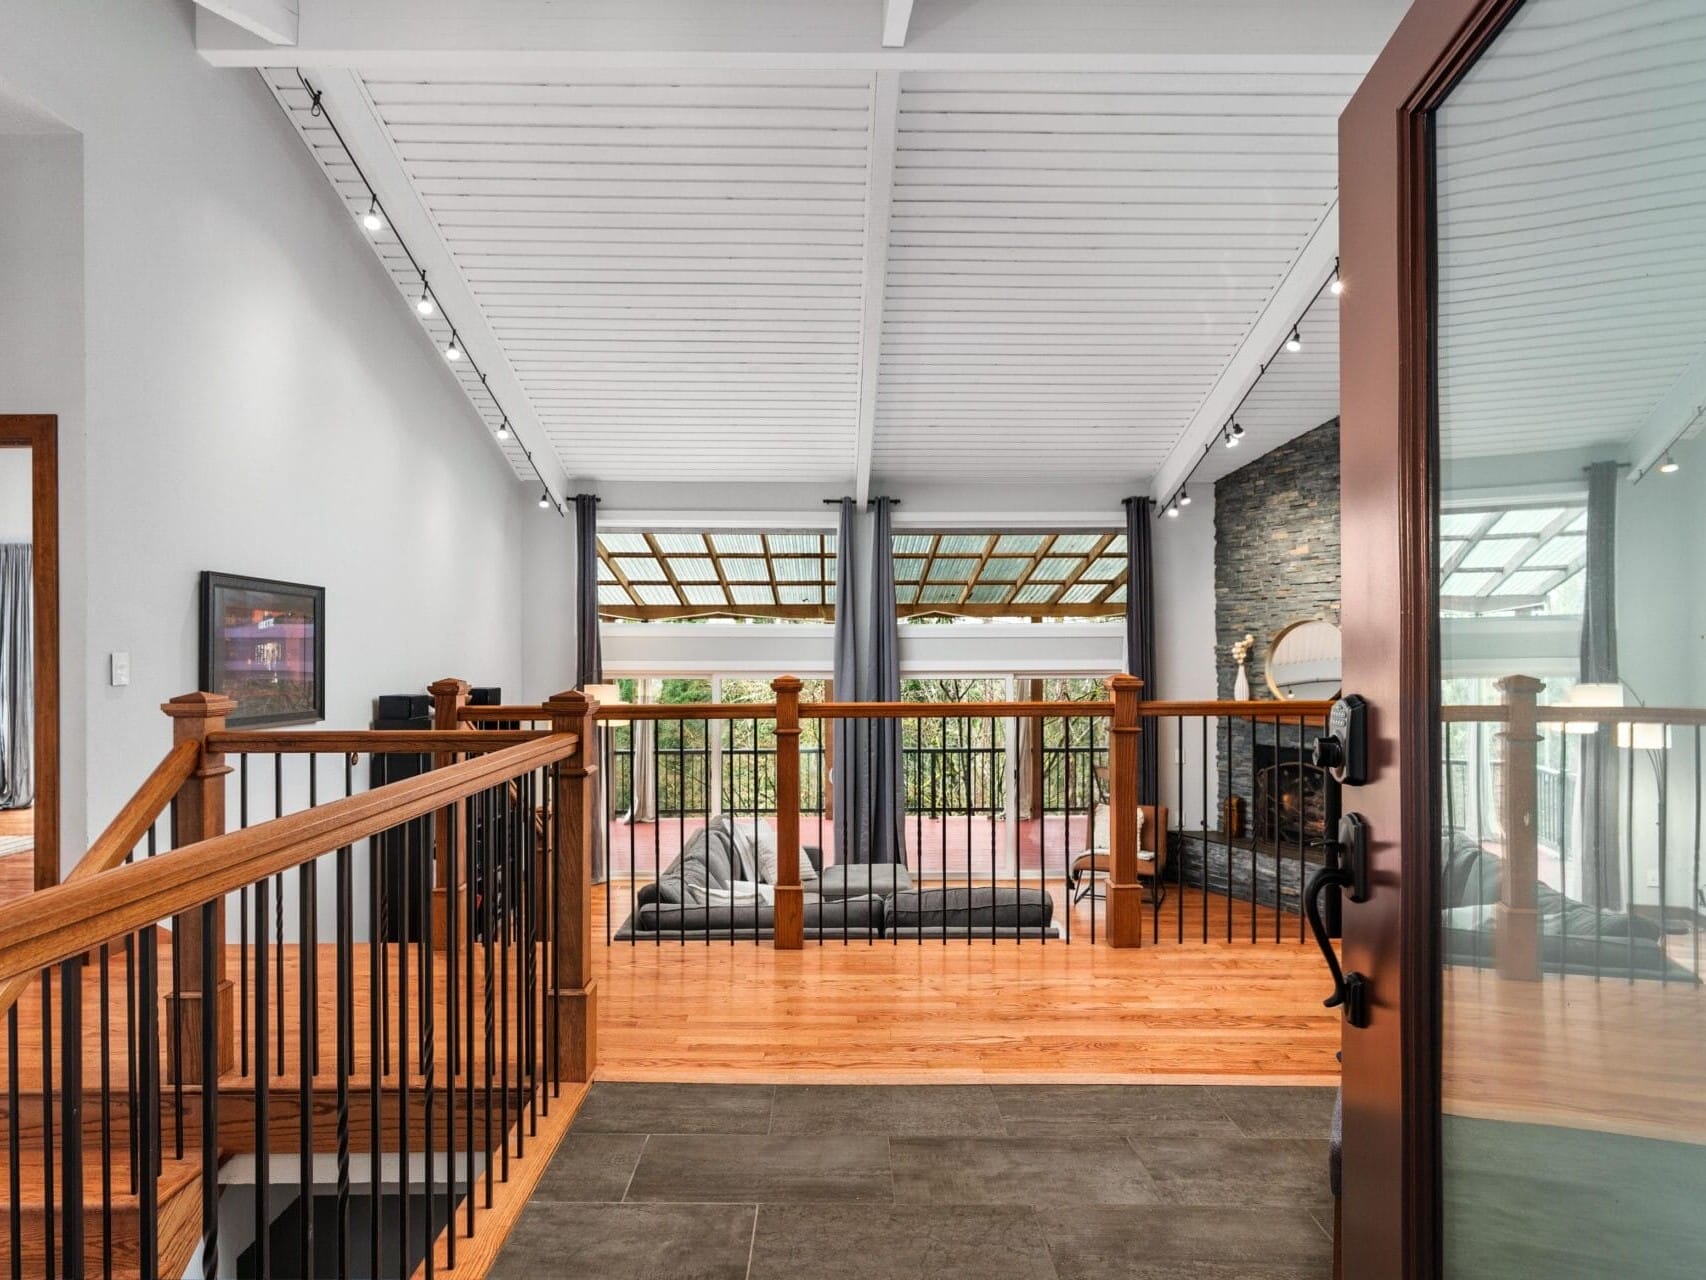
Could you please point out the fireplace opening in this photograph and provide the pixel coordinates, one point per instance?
(1291, 798)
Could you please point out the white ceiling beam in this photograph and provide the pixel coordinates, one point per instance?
(1285, 307)
(364, 133)
(998, 35)
(1679, 413)
(275, 21)
(897, 17)
(879, 193)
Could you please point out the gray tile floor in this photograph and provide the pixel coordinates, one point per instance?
(825, 1182)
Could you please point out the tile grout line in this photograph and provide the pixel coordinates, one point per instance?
(634, 1172)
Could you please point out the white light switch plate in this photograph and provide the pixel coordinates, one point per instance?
(120, 670)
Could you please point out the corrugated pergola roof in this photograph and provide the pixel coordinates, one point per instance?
(656, 576)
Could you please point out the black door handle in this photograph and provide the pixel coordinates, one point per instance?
(1350, 990)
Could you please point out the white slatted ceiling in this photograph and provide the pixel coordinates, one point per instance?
(672, 267)
(672, 260)
(1572, 173)
(1073, 260)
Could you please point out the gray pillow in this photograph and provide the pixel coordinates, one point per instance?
(851, 880)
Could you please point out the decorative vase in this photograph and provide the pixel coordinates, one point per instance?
(1241, 685)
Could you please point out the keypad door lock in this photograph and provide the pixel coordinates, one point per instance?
(1343, 750)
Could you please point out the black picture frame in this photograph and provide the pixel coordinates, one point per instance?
(282, 680)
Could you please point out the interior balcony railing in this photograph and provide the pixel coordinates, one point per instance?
(1590, 866)
(1019, 820)
(320, 1043)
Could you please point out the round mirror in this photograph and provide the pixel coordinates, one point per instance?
(1303, 660)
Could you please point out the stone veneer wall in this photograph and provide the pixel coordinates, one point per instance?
(1276, 560)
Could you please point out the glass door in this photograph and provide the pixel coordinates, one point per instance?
(1569, 526)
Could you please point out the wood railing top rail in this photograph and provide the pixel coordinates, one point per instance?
(70, 919)
(368, 741)
(1310, 711)
(129, 827)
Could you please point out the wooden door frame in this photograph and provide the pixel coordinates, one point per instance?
(1392, 1185)
(40, 434)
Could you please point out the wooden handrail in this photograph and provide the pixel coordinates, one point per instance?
(1313, 711)
(1563, 713)
(127, 829)
(369, 741)
(69, 919)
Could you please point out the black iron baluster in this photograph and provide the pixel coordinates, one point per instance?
(1694, 882)
(476, 856)
(148, 1086)
(71, 1111)
(506, 912)
(429, 1031)
(211, 939)
(405, 933)
(132, 1053)
(486, 926)
(47, 1115)
(345, 937)
(262, 1087)
(104, 956)
(453, 1049)
(306, 1036)
(278, 912)
(1629, 864)
(14, 1170)
(377, 1035)
(1203, 852)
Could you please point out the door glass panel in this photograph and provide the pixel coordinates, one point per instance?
(1570, 180)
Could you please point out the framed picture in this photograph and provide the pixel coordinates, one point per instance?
(264, 644)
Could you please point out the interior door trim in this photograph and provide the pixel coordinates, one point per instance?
(40, 434)
(1392, 1205)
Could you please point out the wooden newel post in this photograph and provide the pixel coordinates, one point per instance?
(574, 994)
(1516, 938)
(449, 696)
(200, 815)
(790, 908)
(1125, 894)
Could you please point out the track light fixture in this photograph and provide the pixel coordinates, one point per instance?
(1184, 498)
(1234, 435)
(426, 304)
(1670, 466)
(1172, 511)
(1294, 344)
(1337, 287)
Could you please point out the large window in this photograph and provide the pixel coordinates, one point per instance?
(959, 574)
(1512, 561)
(673, 575)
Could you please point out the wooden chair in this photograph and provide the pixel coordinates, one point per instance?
(1081, 878)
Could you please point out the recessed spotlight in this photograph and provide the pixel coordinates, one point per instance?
(1294, 343)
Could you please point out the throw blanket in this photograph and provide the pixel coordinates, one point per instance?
(730, 859)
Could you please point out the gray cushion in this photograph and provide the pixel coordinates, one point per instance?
(961, 908)
(845, 880)
(853, 915)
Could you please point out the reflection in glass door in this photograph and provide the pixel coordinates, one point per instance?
(1570, 178)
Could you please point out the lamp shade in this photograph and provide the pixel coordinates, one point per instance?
(1591, 695)
(1644, 736)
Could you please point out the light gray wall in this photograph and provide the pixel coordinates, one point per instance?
(42, 371)
(258, 398)
(15, 503)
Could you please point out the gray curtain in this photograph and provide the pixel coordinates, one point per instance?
(1140, 638)
(589, 661)
(1601, 880)
(870, 807)
(645, 760)
(17, 676)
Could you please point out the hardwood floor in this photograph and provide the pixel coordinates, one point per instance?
(909, 1012)
(1610, 1055)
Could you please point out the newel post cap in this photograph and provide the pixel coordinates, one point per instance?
(1124, 684)
(202, 706)
(449, 687)
(787, 684)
